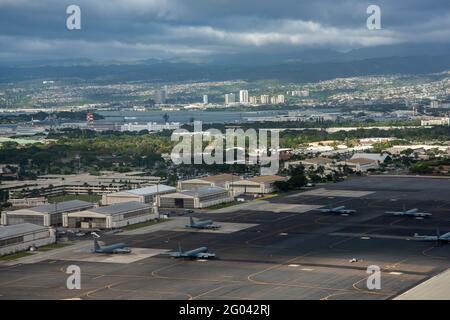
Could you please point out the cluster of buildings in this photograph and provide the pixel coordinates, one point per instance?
(150, 126)
(34, 225)
(245, 99)
(76, 184)
(358, 162)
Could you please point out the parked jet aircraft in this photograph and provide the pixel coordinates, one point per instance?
(409, 213)
(339, 210)
(114, 248)
(445, 238)
(199, 253)
(204, 224)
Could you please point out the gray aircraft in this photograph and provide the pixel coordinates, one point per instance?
(409, 213)
(204, 224)
(199, 253)
(445, 238)
(114, 248)
(339, 210)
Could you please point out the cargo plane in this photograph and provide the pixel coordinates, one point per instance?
(114, 248)
(445, 238)
(199, 253)
(204, 224)
(410, 213)
(339, 210)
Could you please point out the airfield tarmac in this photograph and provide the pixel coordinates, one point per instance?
(292, 254)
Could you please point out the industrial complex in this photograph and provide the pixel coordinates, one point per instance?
(281, 247)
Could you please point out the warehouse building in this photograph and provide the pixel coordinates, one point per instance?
(21, 237)
(110, 217)
(219, 180)
(142, 195)
(44, 215)
(256, 185)
(196, 199)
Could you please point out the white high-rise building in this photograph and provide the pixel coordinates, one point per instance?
(243, 96)
(280, 98)
(230, 98)
(265, 99)
(205, 99)
(253, 100)
(274, 100)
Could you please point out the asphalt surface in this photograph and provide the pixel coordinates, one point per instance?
(283, 255)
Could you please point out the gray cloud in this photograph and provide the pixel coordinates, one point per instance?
(139, 29)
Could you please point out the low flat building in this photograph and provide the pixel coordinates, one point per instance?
(381, 158)
(193, 199)
(361, 164)
(312, 162)
(218, 180)
(21, 237)
(142, 195)
(44, 215)
(110, 217)
(256, 185)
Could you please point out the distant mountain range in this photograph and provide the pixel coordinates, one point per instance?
(302, 66)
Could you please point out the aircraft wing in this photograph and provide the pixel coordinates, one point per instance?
(324, 210)
(122, 250)
(446, 236)
(422, 214)
(396, 213)
(425, 238)
(205, 255)
(175, 254)
(347, 211)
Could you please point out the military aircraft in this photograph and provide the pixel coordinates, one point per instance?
(409, 213)
(114, 248)
(445, 238)
(204, 224)
(199, 253)
(339, 210)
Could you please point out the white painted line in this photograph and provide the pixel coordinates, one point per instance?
(294, 265)
(365, 238)
(306, 269)
(283, 234)
(396, 273)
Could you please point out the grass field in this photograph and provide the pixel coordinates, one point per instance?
(224, 205)
(15, 256)
(83, 197)
(144, 224)
(54, 246)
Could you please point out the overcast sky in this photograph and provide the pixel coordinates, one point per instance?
(145, 29)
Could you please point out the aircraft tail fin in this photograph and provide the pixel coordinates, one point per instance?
(179, 248)
(191, 221)
(438, 233)
(97, 245)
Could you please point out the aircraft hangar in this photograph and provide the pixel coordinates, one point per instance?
(110, 217)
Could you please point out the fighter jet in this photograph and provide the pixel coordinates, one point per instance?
(204, 224)
(339, 210)
(199, 253)
(409, 213)
(445, 238)
(114, 248)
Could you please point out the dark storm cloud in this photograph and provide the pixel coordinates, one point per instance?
(137, 29)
